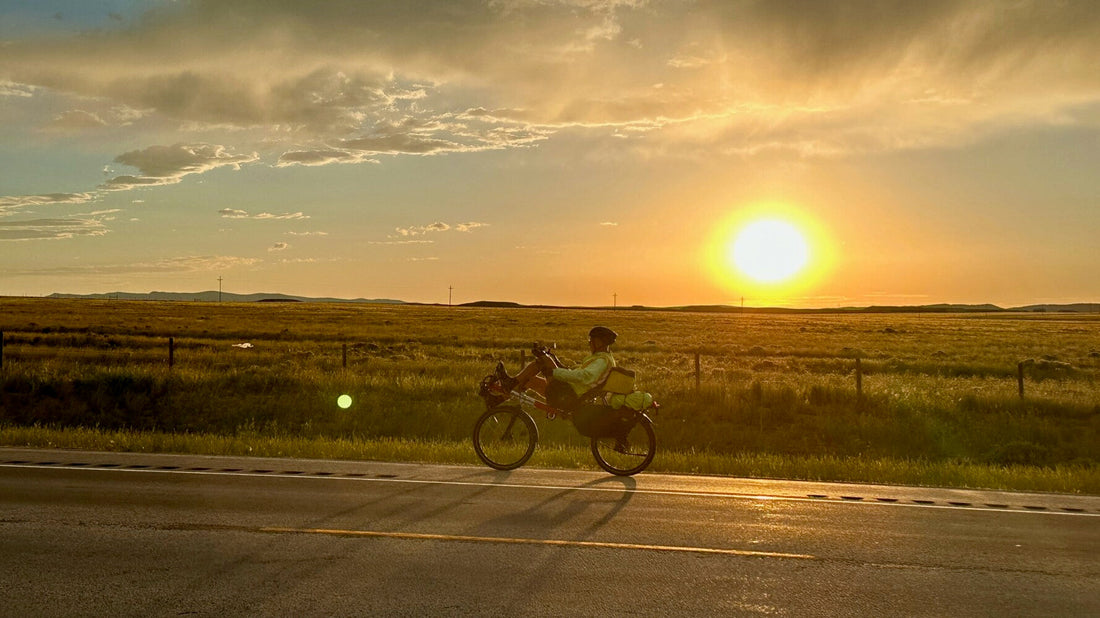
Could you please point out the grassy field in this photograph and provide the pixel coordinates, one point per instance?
(777, 393)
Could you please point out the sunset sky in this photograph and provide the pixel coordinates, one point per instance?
(556, 152)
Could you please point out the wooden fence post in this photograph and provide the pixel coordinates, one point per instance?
(522, 359)
(345, 355)
(1020, 377)
(859, 379)
(1, 349)
(171, 352)
(698, 373)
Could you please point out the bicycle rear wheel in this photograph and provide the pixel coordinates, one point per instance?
(628, 453)
(505, 438)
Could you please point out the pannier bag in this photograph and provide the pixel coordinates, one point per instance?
(595, 420)
(636, 400)
(619, 380)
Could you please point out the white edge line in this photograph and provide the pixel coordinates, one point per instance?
(657, 492)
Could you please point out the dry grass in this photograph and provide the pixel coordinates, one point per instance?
(939, 390)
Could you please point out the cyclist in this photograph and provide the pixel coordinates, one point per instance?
(563, 387)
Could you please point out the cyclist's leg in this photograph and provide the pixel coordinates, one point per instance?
(528, 377)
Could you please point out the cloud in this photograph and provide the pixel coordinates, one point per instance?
(400, 242)
(322, 156)
(394, 143)
(206, 263)
(361, 80)
(12, 89)
(233, 213)
(307, 233)
(282, 217)
(438, 226)
(50, 229)
(466, 227)
(16, 202)
(76, 120)
(163, 165)
(417, 230)
(279, 246)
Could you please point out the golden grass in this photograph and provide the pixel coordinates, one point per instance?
(1062, 479)
(777, 394)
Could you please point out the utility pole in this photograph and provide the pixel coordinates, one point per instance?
(450, 293)
(615, 299)
(219, 288)
(742, 304)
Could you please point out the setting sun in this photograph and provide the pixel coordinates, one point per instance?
(769, 251)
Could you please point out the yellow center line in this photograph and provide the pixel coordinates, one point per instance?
(521, 541)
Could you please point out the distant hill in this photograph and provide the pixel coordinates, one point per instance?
(492, 304)
(941, 308)
(227, 297)
(212, 296)
(1073, 308)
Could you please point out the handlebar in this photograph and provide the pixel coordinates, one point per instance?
(541, 351)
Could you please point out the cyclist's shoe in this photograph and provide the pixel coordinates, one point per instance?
(491, 391)
(507, 382)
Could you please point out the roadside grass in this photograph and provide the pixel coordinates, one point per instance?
(776, 394)
(1070, 479)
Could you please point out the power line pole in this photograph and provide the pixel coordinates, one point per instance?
(615, 299)
(450, 293)
(219, 288)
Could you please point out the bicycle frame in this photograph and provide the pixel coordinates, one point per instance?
(538, 403)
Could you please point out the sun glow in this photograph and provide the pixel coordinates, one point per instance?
(770, 254)
(769, 251)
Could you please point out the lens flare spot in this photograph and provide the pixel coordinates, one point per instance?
(344, 401)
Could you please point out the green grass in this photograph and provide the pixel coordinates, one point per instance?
(1061, 479)
(777, 395)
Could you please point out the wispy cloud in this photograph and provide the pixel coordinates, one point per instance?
(233, 213)
(739, 78)
(76, 120)
(206, 263)
(417, 230)
(163, 165)
(438, 226)
(16, 202)
(471, 225)
(321, 156)
(50, 229)
(279, 246)
(11, 89)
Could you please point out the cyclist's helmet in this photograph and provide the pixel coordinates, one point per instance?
(603, 333)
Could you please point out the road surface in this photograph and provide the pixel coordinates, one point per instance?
(118, 534)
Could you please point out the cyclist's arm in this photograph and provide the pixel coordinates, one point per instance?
(587, 374)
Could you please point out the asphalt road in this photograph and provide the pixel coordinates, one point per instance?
(123, 534)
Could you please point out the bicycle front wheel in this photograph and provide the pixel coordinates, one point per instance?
(505, 438)
(629, 452)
